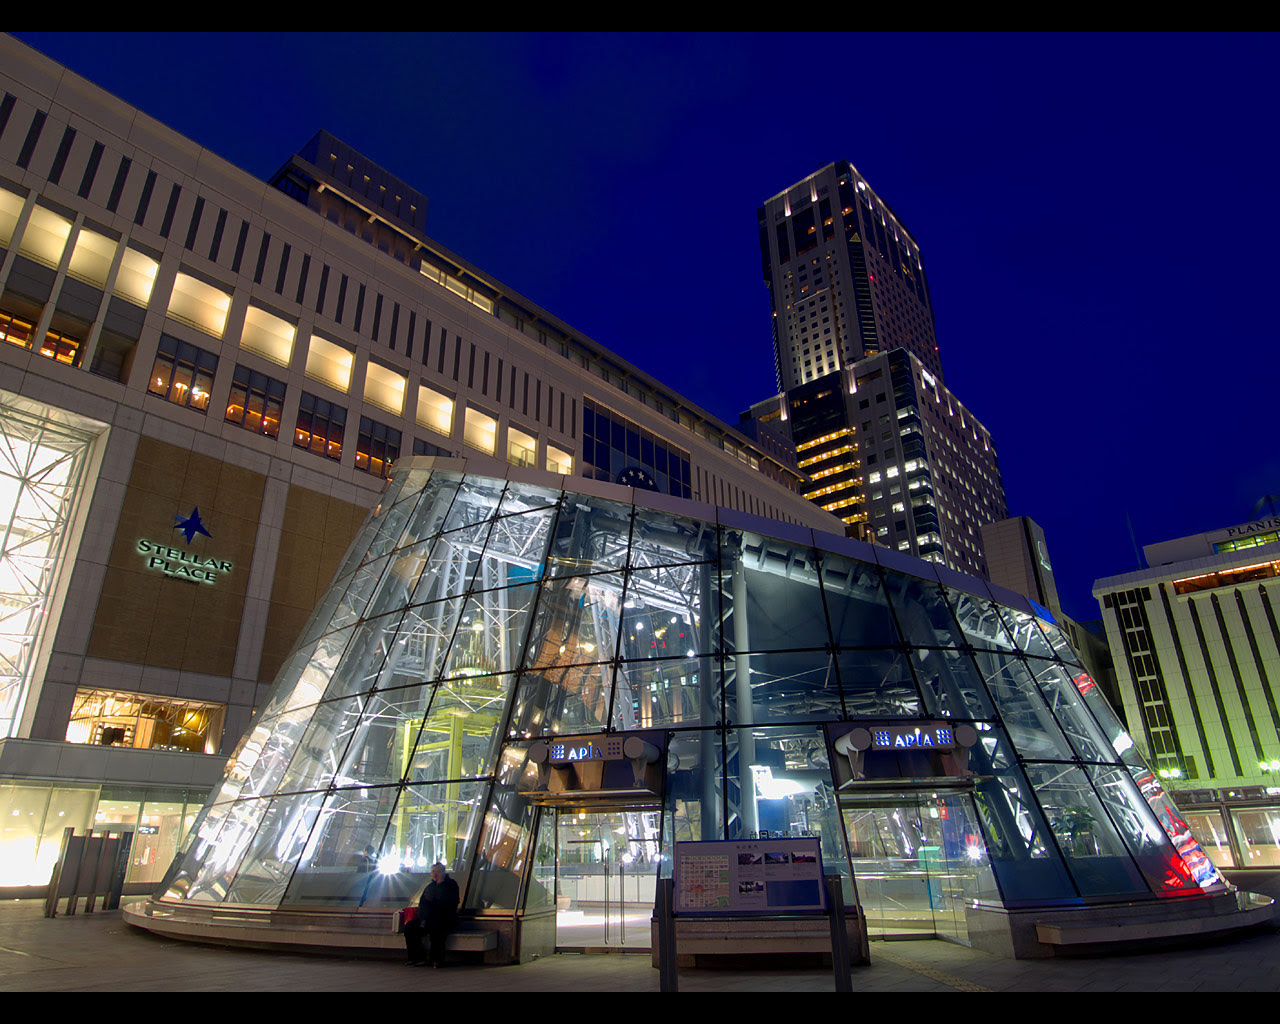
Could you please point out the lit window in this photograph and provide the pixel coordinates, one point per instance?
(256, 402)
(182, 373)
(10, 209)
(329, 363)
(320, 426)
(91, 258)
(559, 461)
(377, 447)
(269, 336)
(522, 448)
(435, 410)
(109, 718)
(480, 431)
(136, 277)
(45, 236)
(384, 387)
(200, 305)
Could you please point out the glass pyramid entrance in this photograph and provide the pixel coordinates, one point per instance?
(496, 653)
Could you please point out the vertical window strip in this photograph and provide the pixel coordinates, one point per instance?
(426, 343)
(144, 200)
(377, 317)
(117, 189)
(408, 341)
(444, 340)
(1235, 673)
(395, 320)
(262, 258)
(6, 108)
(193, 228)
(1213, 684)
(284, 268)
(91, 170)
(240, 244)
(359, 310)
(216, 244)
(33, 136)
(60, 158)
(170, 210)
(324, 284)
(457, 355)
(342, 298)
(302, 278)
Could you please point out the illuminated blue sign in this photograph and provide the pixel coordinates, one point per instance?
(904, 737)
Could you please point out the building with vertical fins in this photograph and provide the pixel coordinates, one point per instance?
(889, 449)
(1196, 648)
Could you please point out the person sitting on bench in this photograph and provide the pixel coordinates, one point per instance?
(437, 917)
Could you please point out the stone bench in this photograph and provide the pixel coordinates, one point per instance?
(1255, 912)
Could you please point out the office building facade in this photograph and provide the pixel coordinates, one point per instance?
(1196, 648)
(205, 380)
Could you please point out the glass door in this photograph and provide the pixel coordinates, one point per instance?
(606, 870)
(916, 858)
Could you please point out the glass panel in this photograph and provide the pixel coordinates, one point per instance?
(576, 622)
(269, 861)
(515, 549)
(1023, 856)
(694, 808)
(669, 612)
(770, 596)
(490, 633)
(878, 684)
(318, 662)
(477, 501)
(857, 604)
(1211, 829)
(355, 599)
(1058, 641)
(1022, 708)
(282, 736)
(591, 535)
(334, 867)
(781, 686)
(452, 564)
(1098, 861)
(1026, 633)
(431, 824)
(431, 509)
(1165, 870)
(563, 699)
(979, 621)
(423, 642)
(923, 613)
(655, 693)
(664, 539)
(505, 838)
(778, 782)
(1068, 708)
(1258, 833)
(388, 726)
(211, 882)
(363, 660)
(160, 831)
(459, 738)
(391, 527)
(323, 745)
(951, 684)
(519, 498)
(401, 578)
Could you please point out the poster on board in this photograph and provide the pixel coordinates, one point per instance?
(749, 876)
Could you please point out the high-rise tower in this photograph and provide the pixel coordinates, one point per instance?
(887, 446)
(845, 278)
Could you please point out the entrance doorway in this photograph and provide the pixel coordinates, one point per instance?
(916, 856)
(606, 866)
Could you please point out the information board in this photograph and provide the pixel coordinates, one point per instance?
(749, 876)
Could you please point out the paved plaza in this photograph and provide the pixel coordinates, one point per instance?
(100, 953)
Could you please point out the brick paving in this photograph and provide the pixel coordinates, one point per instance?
(100, 953)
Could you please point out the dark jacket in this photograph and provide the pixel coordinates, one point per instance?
(439, 904)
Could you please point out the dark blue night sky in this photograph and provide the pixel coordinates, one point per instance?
(1097, 217)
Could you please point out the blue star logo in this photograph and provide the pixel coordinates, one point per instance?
(191, 525)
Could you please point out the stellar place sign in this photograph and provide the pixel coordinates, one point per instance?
(182, 565)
